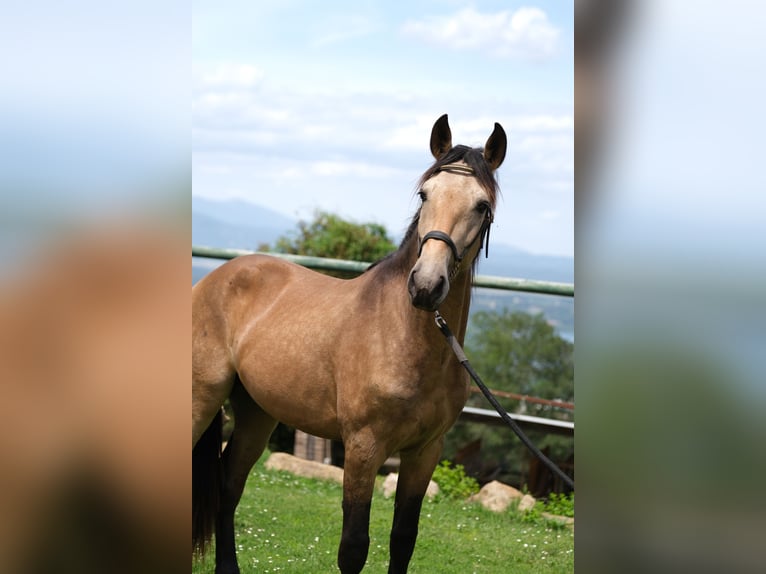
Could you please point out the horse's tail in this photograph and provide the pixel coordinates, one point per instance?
(207, 471)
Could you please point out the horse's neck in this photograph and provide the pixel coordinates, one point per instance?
(391, 276)
(454, 309)
(457, 304)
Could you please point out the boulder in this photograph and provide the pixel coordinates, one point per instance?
(303, 467)
(527, 502)
(389, 486)
(497, 496)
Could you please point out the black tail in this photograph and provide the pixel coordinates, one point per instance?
(207, 471)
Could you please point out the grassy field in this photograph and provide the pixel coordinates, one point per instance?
(290, 524)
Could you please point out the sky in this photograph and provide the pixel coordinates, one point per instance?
(93, 105)
(299, 106)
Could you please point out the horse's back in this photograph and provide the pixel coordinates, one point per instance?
(259, 271)
(249, 284)
(249, 291)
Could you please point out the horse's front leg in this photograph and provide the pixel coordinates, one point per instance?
(417, 467)
(363, 458)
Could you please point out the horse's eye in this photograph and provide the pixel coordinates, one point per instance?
(422, 195)
(482, 207)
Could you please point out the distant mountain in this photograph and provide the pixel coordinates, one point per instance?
(236, 223)
(507, 261)
(244, 225)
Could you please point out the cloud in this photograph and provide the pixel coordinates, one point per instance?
(535, 123)
(524, 34)
(293, 148)
(340, 29)
(330, 168)
(361, 136)
(409, 132)
(226, 75)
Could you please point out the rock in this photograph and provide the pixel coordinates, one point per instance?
(389, 486)
(302, 467)
(497, 496)
(527, 502)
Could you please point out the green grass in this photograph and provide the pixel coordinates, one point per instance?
(290, 524)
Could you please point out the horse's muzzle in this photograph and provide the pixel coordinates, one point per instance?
(427, 295)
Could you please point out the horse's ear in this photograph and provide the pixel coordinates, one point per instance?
(494, 149)
(441, 137)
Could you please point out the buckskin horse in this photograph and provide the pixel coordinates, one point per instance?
(357, 360)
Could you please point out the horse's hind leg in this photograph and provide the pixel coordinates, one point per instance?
(212, 379)
(415, 472)
(252, 429)
(213, 369)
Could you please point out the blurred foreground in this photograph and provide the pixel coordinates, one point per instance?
(94, 287)
(671, 279)
(94, 402)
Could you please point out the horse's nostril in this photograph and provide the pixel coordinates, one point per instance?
(411, 280)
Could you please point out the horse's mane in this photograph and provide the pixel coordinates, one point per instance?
(399, 261)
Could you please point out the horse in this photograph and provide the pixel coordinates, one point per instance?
(353, 360)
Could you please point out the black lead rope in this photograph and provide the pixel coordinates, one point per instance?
(458, 350)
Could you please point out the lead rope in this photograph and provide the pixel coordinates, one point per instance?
(460, 354)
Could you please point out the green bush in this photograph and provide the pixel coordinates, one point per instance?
(453, 482)
(559, 504)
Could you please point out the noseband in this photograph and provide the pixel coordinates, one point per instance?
(482, 235)
(441, 236)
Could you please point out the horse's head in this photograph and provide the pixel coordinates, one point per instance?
(458, 195)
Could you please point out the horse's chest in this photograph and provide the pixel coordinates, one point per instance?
(428, 402)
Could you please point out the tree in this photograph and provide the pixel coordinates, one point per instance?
(329, 235)
(519, 353)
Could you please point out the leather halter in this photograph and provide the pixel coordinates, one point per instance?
(441, 236)
(482, 235)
